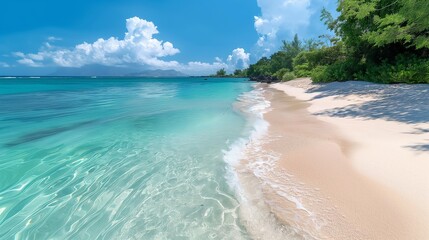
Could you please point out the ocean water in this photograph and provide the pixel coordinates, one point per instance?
(120, 158)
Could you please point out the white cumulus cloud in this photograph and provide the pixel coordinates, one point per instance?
(202, 68)
(138, 46)
(239, 58)
(280, 18)
(29, 62)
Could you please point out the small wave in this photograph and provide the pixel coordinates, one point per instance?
(251, 170)
(255, 214)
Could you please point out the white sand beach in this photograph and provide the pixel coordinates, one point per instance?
(352, 159)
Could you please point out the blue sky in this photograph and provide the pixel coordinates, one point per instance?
(192, 36)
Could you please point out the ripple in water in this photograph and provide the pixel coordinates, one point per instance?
(118, 159)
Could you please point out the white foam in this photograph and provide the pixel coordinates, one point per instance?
(252, 169)
(254, 105)
(256, 216)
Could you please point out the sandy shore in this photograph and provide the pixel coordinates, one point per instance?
(352, 159)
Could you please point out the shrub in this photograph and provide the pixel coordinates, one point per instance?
(288, 76)
(324, 56)
(302, 70)
(403, 70)
(334, 58)
(319, 74)
(301, 66)
(279, 74)
(301, 58)
(339, 71)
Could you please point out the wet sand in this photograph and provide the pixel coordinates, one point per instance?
(341, 177)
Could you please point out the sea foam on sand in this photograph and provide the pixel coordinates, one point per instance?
(333, 161)
(251, 174)
(364, 148)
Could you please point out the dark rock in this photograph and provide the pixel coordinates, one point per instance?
(264, 79)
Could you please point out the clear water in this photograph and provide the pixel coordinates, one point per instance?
(118, 158)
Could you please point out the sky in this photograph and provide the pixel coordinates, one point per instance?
(191, 36)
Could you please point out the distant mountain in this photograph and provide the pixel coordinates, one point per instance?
(92, 70)
(108, 71)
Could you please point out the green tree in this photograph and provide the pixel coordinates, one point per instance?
(379, 40)
(261, 68)
(383, 40)
(279, 60)
(221, 73)
(311, 45)
(238, 73)
(327, 18)
(405, 22)
(293, 47)
(382, 29)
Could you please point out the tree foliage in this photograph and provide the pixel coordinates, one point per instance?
(282, 59)
(385, 22)
(384, 41)
(221, 73)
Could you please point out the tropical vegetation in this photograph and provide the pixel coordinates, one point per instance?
(384, 41)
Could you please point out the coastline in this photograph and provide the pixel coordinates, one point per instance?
(330, 176)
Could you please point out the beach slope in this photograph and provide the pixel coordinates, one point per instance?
(352, 159)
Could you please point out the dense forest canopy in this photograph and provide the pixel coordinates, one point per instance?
(385, 41)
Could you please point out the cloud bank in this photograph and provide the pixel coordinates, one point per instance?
(138, 46)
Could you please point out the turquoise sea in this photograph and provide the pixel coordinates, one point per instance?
(120, 158)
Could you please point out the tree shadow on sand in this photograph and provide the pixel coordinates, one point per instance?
(420, 147)
(400, 102)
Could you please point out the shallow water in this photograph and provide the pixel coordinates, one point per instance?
(119, 158)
